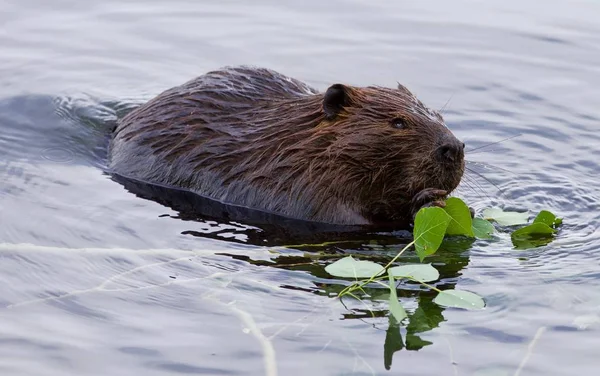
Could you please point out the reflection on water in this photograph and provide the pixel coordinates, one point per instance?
(102, 275)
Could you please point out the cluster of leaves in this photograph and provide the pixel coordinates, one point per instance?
(540, 232)
(431, 225)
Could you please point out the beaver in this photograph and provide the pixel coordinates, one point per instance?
(253, 137)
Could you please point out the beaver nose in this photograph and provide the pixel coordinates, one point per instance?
(450, 151)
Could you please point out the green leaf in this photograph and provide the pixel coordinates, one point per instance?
(482, 229)
(548, 218)
(348, 267)
(531, 243)
(459, 299)
(430, 228)
(535, 229)
(415, 343)
(393, 342)
(461, 222)
(505, 218)
(420, 272)
(533, 235)
(396, 308)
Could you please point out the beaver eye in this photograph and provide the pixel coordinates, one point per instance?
(399, 123)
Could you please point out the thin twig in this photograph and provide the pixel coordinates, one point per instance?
(530, 348)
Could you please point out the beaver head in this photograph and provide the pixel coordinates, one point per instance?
(392, 144)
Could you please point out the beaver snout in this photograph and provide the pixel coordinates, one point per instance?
(450, 151)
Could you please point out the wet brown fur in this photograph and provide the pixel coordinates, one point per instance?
(255, 138)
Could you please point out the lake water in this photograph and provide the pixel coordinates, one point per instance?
(98, 278)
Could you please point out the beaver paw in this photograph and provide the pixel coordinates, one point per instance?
(431, 197)
(426, 198)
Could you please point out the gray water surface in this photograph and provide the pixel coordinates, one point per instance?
(96, 279)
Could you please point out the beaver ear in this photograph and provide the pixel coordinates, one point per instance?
(335, 99)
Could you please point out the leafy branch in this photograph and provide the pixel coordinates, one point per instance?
(431, 225)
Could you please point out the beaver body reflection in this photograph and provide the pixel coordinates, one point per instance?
(255, 138)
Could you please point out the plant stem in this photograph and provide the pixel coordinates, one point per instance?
(424, 284)
(357, 285)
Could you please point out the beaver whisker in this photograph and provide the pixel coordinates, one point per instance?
(483, 177)
(474, 186)
(489, 165)
(441, 111)
(493, 143)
